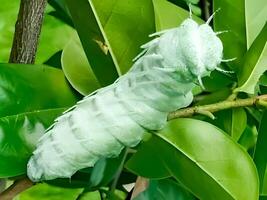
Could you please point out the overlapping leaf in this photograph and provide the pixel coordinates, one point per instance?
(202, 158)
(32, 96)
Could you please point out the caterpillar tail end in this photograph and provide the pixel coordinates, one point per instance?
(34, 172)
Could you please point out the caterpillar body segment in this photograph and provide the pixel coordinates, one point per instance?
(117, 116)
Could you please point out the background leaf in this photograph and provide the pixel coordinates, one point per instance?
(43, 191)
(165, 189)
(218, 167)
(32, 96)
(25, 88)
(93, 39)
(256, 16)
(232, 18)
(254, 64)
(77, 69)
(127, 25)
(232, 121)
(236, 18)
(168, 15)
(19, 135)
(260, 157)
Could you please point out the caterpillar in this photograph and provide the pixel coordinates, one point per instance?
(117, 116)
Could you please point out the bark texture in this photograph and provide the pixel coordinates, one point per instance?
(27, 31)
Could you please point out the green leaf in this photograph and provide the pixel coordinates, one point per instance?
(31, 97)
(127, 25)
(243, 19)
(254, 64)
(216, 81)
(43, 191)
(94, 40)
(61, 11)
(18, 138)
(91, 195)
(219, 168)
(105, 170)
(168, 15)
(264, 186)
(79, 180)
(77, 69)
(119, 26)
(164, 189)
(233, 122)
(214, 97)
(256, 15)
(260, 157)
(231, 18)
(249, 137)
(55, 34)
(25, 88)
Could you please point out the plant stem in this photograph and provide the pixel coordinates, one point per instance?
(118, 173)
(211, 108)
(17, 187)
(205, 9)
(27, 31)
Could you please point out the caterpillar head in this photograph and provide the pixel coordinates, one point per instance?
(192, 49)
(202, 50)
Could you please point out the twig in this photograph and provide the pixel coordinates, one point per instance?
(211, 108)
(27, 31)
(118, 173)
(205, 9)
(17, 187)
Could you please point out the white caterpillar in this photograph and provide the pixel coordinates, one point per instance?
(103, 123)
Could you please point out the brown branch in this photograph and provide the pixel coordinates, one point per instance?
(211, 108)
(27, 31)
(17, 187)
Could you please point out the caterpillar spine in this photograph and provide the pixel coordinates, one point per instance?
(117, 116)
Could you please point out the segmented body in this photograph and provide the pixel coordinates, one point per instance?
(103, 123)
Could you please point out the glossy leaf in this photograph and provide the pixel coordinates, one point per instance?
(61, 11)
(77, 69)
(249, 137)
(233, 122)
(79, 180)
(19, 135)
(105, 170)
(260, 157)
(165, 189)
(32, 96)
(232, 18)
(264, 185)
(219, 168)
(168, 15)
(94, 40)
(127, 25)
(256, 15)
(217, 81)
(213, 97)
(55, 34)
(236, 17)
(43, 191)
(25, 88)
(254, 64)
(91, 195)
(120, 27)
